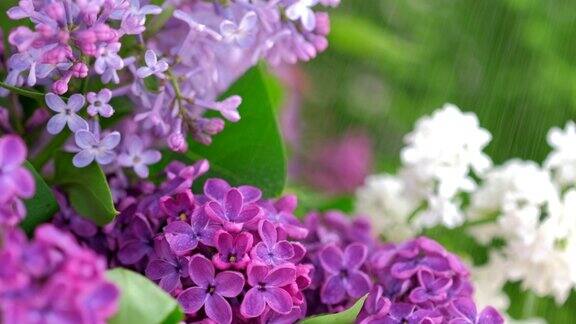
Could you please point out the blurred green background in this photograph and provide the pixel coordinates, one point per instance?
(512, 62)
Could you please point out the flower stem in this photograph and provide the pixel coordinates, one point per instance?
(529, 305)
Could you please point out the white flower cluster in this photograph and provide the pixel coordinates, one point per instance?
(530, 209)
(437, 162)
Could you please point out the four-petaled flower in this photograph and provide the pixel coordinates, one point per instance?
(183, 237)
(270, 250)
(466, 308)
(233, 211)
(93, 148)
(138, 157)
(267, 290)
(179, 206)
(343, 272)
(65, 113)
(216, 189)
(211, 290)
(168, 268)
(15, 180)
(242, 33)
(138, 243)
(431, 288)
(375, 307)
(99, 103)
(302, 10)
(153, 66)
(232, 250)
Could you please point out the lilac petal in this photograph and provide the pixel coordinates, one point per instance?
(192, 299)
(12, 152)
(404, 270)
(224, 241)
(55, 103)
(268, 233)
(332, 259)
(215, 189)
(261, 252)
(76, 102)
(440, 285)
(214, 210)
(419, 295)
(218, 309)
(111, 140)
(400, 311)
(151, 157)
(256, 274)
(144, 72)
(253, 304)
(201, 271)
(243, 242)
(284, 250)
(102, 300)
(76, 123)
(466, 307)
(85, 139)
(333, 291)
(437, 263)
(250, 194)
(279, 300)
(357, 284)
(281, 276)
(233, 203)
(180, 237)
(170, 282)
(132, 251)
(248, 214)
(157, 269)
(355, 255)
(83, 159)
(229, 283)
(490, 316)
(141, 170)
(150, 58)
(56, 124)
(105, 157)
(25, 183)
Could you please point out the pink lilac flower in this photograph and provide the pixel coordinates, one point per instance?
(211, 290)
(232, 250)
(66, 113)
(99, 103)
(138, 157)
(16, 181)
(53, 276)
(93, 148)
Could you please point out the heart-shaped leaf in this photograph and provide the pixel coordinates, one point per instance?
(41, 207)
(142, 301)
(87, 189)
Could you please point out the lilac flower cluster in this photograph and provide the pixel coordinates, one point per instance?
(52, 279)
(16, 182)
(226, 254)
(420, 282)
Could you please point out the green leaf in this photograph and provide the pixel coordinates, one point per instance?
(142, 301)
(346, 317)
(87, 189)
(249, 151)
(41, 207)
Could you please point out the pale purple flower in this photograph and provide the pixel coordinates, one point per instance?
(15, 179)
(99, 103)
(232, 212)
(242, 33)
(211, 291)
(138, 157)
(134, 18)
(344, 274)
(93, 148)
(464, 312)
(267, 290)
(227, 107)
(270, 250)
(153, 66)
(66, 113)
(184, 237)
(302, 10)
(108, 62)
(232, 250)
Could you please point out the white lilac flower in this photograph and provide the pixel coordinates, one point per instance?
(242, 33)
(99, 103)
(302, 10)
(562, 160)
(384, 199)
(138, 157)
(66, 113)
(153, 66)
(93, 148)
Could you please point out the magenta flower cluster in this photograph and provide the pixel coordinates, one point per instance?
(226, 254)
(16, 182)
(51, 279)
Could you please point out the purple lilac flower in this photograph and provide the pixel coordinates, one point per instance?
(179, 206)
(184, 237)
(271, 251)
(233, 210)
(211, 290)
(232, 250)
(53, 276)
(93, 148)
(267, 290)
(167, 268)
(15, 180)
(344, 274)
(464, 312)
(99, 103)
(66, 113)
(138, 157)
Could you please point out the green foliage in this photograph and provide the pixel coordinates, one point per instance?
(42, 206)
(87, 189)
(346, 317)
(142, 301)
(249, 151)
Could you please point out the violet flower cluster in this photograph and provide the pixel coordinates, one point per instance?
(16, 182)
(226, 254)
(171, 70)
(51, 279)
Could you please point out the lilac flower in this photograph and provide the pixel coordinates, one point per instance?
(270, 250)
(108, 62)
(65, 113)
(216, 189)
(233, 211)
(281, 214)
(232, 250)
(168, 268)
(375, 307)
(180, 206)
(184, 237)
(138, 157)
(211, 290)
(431, 288)
(15, 179)
(228, 107)
(138, 243)
(67, 219)
(153, 66)
(345, 276)
(134, 19)
(464, 312)
(93, 148)
(243, 33)
(99, 103)
(267, 290)
(301, 10)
